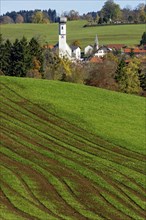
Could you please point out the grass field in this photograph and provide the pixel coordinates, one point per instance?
(118, 34)
(70, 152)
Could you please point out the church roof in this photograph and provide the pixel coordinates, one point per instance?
(74, 47)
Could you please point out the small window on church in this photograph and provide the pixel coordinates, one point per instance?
(62, 27)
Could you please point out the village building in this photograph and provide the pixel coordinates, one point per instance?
(102, 51)
(70, 52)
(89, 49)
(136, 51)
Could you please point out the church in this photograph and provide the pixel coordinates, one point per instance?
(70, 52)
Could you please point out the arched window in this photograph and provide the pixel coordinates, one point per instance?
(62, 28)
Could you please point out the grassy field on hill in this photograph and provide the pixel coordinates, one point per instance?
(118, 34)
(71, 152)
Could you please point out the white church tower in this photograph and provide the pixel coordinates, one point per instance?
(64, 49)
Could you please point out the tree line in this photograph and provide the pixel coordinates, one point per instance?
(110, 13)
(22, 58)
(29, 16)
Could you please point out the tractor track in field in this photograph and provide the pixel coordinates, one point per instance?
(61, 137)
(6, 201)
(110, 147)
(72, 168)
(124, 202)
(51, 118)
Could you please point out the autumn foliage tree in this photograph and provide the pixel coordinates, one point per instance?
(129, 81)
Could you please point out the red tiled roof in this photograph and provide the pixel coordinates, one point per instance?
(49, 46)
(116, 46)
(96, 60)
(136, 50)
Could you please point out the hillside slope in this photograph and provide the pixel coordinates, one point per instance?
(70, 152)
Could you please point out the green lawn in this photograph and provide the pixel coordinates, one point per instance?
(118, 34)
(70, 151)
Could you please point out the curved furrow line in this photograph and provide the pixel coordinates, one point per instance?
(77, 207)
(28, 193)
(22, 204)
(96, 209)
(102, 174)
(38, 203)
(136, 193)
(68, 132)
(66, 122)
(123, 202)
(40, 179)
(13, 211)
(13, 207)
(138, 209)
(109, 210)
(64, 141)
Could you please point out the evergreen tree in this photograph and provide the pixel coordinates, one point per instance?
(7, 54)
(119, 71)
(36, 52)
(5, 49)
(143, 40)
(20, 58)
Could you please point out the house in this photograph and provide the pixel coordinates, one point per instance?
(96, 60)
(76, 52)
(88, 50)
(136, 51)
(115, 46)
(102, 51)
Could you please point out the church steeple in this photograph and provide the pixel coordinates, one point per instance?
(62, 36)
(96, 45)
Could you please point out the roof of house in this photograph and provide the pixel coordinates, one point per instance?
(89, 45)
(96, 60)
(136, 50)
(74, 47)
(49, 46)
(116, 46)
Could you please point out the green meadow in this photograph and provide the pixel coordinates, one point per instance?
(70, 151)
(48, 33)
